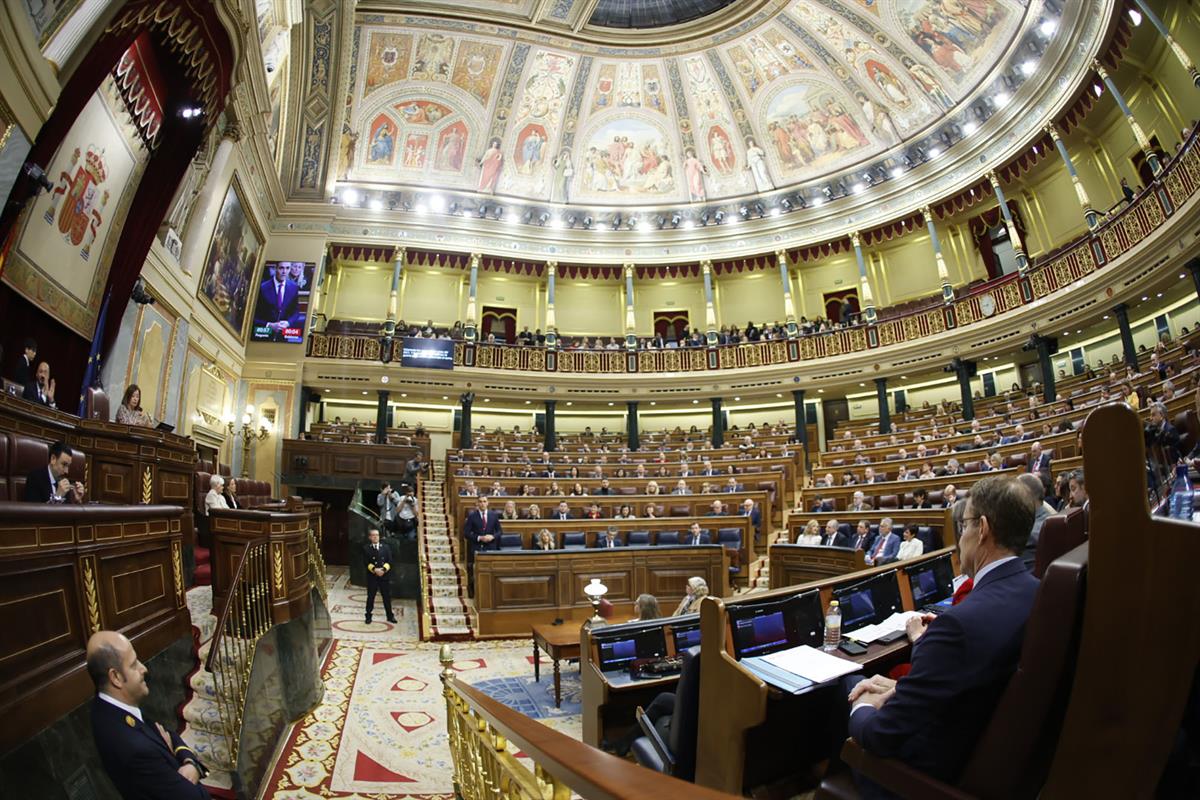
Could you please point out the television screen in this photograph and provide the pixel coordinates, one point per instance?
(428, 353)
(282, 304)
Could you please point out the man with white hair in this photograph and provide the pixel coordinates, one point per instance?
(887, 545)
(214, 498)
(859, 503)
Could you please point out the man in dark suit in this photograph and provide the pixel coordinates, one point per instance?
(862, 539)
(1038, 462)
(748, 510)
(1160, 431)
(378, 557)
(963, 658)
(144, 761)
(24, 372)
(562, 512)
(833, 536)
(482, 532)
(609, 540)
(40, 483)
(41, 389)
(696, 536)
(278, 305)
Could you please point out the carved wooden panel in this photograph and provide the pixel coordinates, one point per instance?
(173, 487)
(390, 466)
(348, 465)
(524, 591)
(39, 616)
(113, 482)
(134, 584)
(619, 583)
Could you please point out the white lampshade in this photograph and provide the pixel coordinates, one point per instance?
(595, 589)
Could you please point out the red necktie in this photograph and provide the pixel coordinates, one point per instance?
(962, 591)
(879, 547)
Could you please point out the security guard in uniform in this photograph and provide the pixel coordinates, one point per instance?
(379, 563)
(144, 760)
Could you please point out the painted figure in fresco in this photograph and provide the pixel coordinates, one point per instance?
(489, 164)
(720, 150)
(382, 145)
(531, 152)
(450, 155)
(560, 189)
(756, 162)
(926, 80)
(878, 119)
(694, 172)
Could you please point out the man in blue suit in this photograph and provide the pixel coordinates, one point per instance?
(696, 536)
(962, 659)
(609, 540)
(482, 532)
(278, 304)
(144, 760)
(886, 546)
(749, 510)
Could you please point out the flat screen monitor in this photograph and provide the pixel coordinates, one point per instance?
(625, 647)
(869, 602)
(428, 353)
(282, 301)
(763, 628)
(931, 582)
(685, 636)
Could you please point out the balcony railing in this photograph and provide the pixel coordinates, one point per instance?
(1092, 251)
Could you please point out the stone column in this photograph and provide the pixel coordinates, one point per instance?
(1138, 134)
(1089, 213)
(551, 441)
(868, 299)
(381, 417)
(939, 259)
(1013, 235)
(471, 329)
(630, 319)
(1122, 313)
(464, 431)
(789, 307)
(718, 424)
(393, 298)
(1193, 267)
(885, 414)
(801, 422)
(1046, 347)
(631, 424)
(710, 313)
(1171, 43)
(551, 325)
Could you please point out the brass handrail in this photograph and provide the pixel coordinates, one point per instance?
(245, 618)
(484, 767)
(316, 565)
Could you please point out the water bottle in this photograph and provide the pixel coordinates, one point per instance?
(1182, 494)
(833, 627)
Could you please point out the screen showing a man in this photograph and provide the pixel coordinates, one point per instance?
(282, 302)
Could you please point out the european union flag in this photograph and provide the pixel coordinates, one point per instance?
(91, 376)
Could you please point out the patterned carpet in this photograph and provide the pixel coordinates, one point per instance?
(381, 728)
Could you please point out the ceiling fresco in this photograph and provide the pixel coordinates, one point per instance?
(816, 87)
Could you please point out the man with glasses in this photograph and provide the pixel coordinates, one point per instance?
(932, 719)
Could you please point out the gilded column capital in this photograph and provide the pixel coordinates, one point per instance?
(927, 213)
(551, 267)
(855, 239)
(1052, 129)
(629, 270)
(706, 265)
(993, 178)
(476, 259)
(400, 255)
(1100, 70)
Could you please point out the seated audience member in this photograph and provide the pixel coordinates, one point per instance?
(215, 498)
(1078, 489)
(593, 512)
(862, 537)
(64, 493)
(748, 510)
(696, 536)
(647, 608)
(41, 389)
(545, 540)
(143, 761)
(681, 488)
(609, 540)
(932, 718)
(858, 503)
(625, 512)
(697, 590)
(533, 512)
(562, 512)
(886, 546)
(949, 495)
(1038, 461)
(910, 545)
(826, 482)
(577, 490)
(25, 364)
(605, 488)
(653, 488)
(554, 489)
(869, 476)
(811, 535)
(921, 498)
(653, 511)
(1037, 491)
(130, 411)
(718, 509)
(833, 536)
(510, 510)
(230, 494)
(731, 485)
(468, 489)
(1160, 432)
(40, 484)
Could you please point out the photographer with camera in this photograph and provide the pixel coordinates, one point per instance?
(389, 507)
(409, 508)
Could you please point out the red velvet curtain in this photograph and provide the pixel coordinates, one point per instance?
(670, 324)
(833, 303)
(980, 227)
(500, 321)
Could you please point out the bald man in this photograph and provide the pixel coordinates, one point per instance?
(144, 761)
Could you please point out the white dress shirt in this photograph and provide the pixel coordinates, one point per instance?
(134, 710)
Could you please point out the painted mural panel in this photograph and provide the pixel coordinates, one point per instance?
(628, 157)
(47, 16)
(953, 33)
(809, 128)
(475, 69)
(64, 252)
(431, 59)
(387, 60)
(233, 256)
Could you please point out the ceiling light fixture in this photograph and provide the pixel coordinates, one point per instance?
(350, 197)
(376, 204)
(437, 203)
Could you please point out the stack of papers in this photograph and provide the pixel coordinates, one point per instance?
(811, 663)
(892, 624)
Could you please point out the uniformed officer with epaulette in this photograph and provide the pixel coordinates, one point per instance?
(379, 563)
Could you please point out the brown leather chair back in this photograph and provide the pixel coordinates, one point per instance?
(96, 404)
(1013, 756)
(1061, 533)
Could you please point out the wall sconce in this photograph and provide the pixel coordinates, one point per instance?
(595, 590)
(248, 434)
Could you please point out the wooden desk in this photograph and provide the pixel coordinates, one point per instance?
(559, 642)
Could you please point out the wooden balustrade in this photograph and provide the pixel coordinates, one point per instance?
(67, 571)
(309, 463)
(287, 533)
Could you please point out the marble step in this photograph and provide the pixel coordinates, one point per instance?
(210, 746)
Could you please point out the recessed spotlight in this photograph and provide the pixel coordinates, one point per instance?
(969, 128)
(688, 225)
(1028, 68)
(444, 397)
(934, 152)
(1048, 27)
(570, 403)
(897, 172)
(903, 377)
(609, 404)
(1145, 297)
(420, 207)
(527, 402)
(1079, 331)
(556, 222)
(404, 394)
(645, 226)
(327, 391)
(694, 402)
(859, 188)
(779, 394)
(1159, 294)
(653, 403)
(365, 392)
(349, 197)
(1001, 99)
(1106, 316)
(384, 379)
(820, 391)
(1181, 276)
(437, 203)
(376, 204)
(818, 201)
(514, 217)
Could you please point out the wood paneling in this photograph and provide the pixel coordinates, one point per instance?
(287, 532)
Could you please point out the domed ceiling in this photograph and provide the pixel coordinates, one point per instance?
(799, 91)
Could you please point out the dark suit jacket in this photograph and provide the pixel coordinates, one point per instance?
(602, 542)
(840, 539)
(960, 667)
(477, 526)
(30, 393)
(377, 559)
(37, 486)
(1042, 464)
(24, 373)
(686, 538)
(557, 515)
(272, 308)
(138, 760)
(755, 518)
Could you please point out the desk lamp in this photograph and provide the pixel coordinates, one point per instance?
(595, 590)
